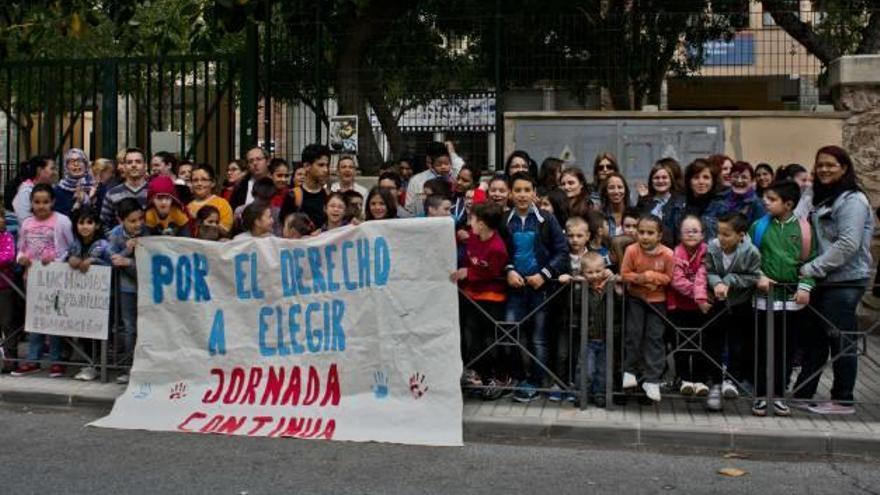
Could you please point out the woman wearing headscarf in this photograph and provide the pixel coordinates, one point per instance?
(77, 188)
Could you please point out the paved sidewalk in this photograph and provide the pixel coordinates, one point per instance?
(674, 423)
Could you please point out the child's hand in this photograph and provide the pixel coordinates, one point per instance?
(764, 284)
(515, 280)
(802, 297)
(47, 259)
(721, 292)
(119, 261)
(462, 235)
(642, 189)
(84, 265)
(565, 278)
(459, 274)
(131, 244)
(535, 281)
(705, 307)
(25, 262)
(74, 262)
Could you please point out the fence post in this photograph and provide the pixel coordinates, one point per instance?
(109, 110)
(609, 345)
(499, 92)
(771, 363)
(583, 380)
(249, 74)
(319, 87)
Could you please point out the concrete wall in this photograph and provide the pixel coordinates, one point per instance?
(773, 137)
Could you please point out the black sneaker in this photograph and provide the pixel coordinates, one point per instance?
(759, 408)
(780, 408)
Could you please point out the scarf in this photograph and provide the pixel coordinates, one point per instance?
(68, 182)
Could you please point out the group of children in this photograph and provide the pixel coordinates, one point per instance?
(693, 300)
(514, 256)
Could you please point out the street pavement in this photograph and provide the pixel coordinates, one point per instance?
(46, 449)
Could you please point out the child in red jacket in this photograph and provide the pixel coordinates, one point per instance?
(483, 283)
(688, 303)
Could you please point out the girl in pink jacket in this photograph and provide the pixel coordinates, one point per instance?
(688, 303)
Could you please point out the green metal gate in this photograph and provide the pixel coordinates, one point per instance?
(102, 105)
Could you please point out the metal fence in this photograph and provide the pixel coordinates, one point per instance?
(787, 356)
(182, 104)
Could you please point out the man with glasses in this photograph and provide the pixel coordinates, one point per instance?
(258, 167)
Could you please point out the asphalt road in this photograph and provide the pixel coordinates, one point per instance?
(49, 451)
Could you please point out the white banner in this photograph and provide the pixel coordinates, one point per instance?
(67, 302)
(352, 335)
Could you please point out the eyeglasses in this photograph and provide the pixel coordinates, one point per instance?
(605, 166)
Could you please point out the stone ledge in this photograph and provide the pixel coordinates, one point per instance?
(855, 70)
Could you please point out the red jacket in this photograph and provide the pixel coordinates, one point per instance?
(485, 268)
(689, 285)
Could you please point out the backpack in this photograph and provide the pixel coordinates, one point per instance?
(806, 235)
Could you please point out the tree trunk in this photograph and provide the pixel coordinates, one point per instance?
(386, 118)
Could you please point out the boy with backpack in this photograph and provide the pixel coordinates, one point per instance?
(785, 243)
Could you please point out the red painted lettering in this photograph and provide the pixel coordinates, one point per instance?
(212, 424)
(208, 398)
(236, 383)
(260, 422)
(231, 425)
(291, 395)
(331, 390)
(278, 427)
(329, 429)
(196, 416)
(314, 386)
(273, 386)
(250, 394)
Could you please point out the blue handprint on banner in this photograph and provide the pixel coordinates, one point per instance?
(380, 385)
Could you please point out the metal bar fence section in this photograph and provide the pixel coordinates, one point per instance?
(50, 106)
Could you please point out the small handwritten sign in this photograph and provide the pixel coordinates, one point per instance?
(67, 302)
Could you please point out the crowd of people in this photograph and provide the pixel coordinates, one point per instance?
(713, 246)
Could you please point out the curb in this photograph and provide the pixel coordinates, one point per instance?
(822, 443)
(622, 435)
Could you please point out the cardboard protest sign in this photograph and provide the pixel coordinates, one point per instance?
(352, 335)
(67, 302)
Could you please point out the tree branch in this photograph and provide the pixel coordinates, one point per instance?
(802, 32)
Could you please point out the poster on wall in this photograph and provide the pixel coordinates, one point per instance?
(63, 301)
(351, 335)
(344, 134)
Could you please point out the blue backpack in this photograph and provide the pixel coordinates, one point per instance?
(806, 235)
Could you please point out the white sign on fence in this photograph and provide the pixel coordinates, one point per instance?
(352, 335)
(64, 301)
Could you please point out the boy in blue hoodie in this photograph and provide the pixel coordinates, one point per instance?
(538, 254)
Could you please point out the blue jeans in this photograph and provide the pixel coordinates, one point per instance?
(533, 331)
(594, 364)
(35, 347)
(837, 305)
(128, 315)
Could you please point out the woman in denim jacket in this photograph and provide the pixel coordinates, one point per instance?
(843, 226)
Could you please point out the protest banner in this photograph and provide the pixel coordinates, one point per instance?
(63, 301)
(351, 335)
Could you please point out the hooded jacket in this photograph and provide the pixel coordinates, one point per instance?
(742, 275)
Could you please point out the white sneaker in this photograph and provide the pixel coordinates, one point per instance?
(713, 401)
(122, 379)
(652, 390)
(700, 389)
(629, 380)
(687, 388)
(728, 390)
(86, 374)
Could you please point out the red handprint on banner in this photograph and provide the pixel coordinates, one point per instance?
(417, 386)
